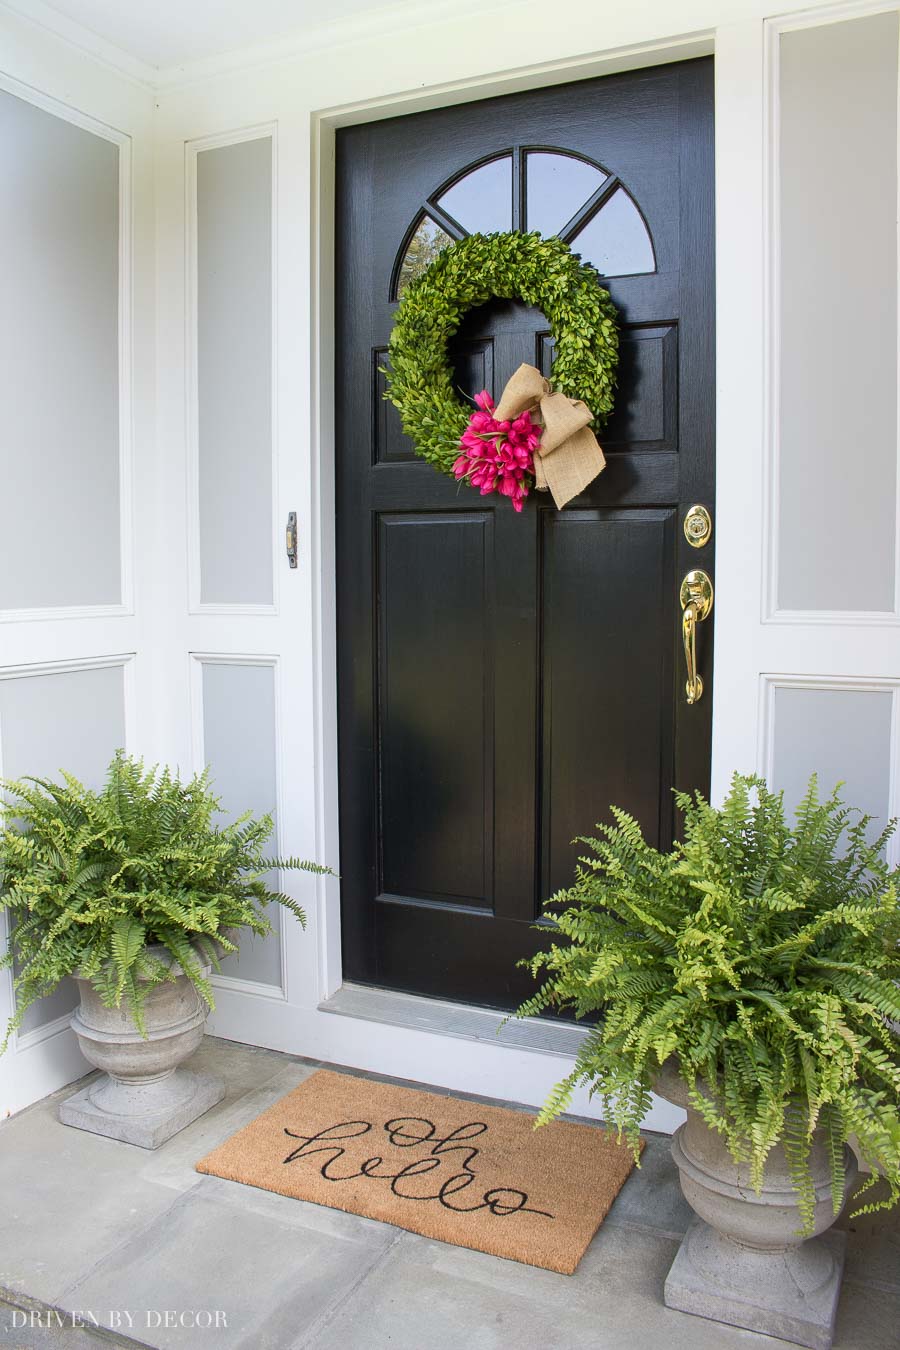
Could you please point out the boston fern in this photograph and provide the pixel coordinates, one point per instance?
(764, 956)
(91, 879)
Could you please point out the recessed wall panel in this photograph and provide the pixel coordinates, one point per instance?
(843, 735)
(234, 372)
(239, 742)
(59, 362)
(837, 318)
(73, 720)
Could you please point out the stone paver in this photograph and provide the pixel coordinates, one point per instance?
(426, 1294)
(94, 1225)
(35, 1329)
(235, 1277)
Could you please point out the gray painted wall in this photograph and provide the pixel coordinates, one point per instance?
(838, 242)
(239, 741)
(73, 720)
(234, 360)
(843, 735)
(59, 363)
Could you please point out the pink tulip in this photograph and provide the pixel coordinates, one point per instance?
(498, 456)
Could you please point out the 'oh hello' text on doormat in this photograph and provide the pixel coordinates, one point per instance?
(458, 1171)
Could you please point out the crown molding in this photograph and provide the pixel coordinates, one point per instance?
(84, 40)
(343, 32)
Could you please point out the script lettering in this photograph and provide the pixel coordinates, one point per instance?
(454, 1149)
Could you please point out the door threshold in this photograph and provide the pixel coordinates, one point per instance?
(388, 1006)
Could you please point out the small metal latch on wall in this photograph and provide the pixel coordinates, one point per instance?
(290, 539)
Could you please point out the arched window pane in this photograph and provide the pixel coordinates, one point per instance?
(556, 186)
(615, 240)
(427, 242)
(482, 200)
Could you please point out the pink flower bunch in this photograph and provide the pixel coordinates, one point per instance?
(498, 456)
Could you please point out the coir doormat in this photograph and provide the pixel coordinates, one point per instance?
(478, 1176)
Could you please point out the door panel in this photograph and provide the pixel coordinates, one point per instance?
(504, 678)
(606, 723)
(435, 658)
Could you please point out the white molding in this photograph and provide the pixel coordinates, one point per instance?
(75, 663)
(308, 38)
(197, 660)
(83, 40)
(323, 554)
(236, 611)
(26, 1040)
(64, 612)
(60, 108)
(350, 30)
(124, 660)
(7, 985)
(770, 610)
(865, 618)
(334, 34)
(192, 148)
(252, 988)
(829, 14)
(540, 75)
(124, 348)
(893, 850)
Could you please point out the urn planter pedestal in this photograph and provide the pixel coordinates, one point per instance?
(143, 1096)
(742, 1260)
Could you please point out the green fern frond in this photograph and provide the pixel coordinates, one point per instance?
(764, 954)
(91, 880)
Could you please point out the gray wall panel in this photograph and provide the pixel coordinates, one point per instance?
(239, 739)
(844, 735)
(59, 362)
(838, 380)
(74, 720)
(234, 361)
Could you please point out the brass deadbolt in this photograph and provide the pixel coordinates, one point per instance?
(697, 526)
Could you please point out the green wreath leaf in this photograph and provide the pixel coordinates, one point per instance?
(511, 266)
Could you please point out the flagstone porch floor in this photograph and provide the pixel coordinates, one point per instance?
(100, 1228)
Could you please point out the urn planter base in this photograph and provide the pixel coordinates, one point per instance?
(146, 1114)
(143, 1097)
(791, 1294)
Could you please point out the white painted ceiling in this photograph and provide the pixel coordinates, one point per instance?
(168, 33)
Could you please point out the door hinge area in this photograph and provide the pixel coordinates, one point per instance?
(290, 539)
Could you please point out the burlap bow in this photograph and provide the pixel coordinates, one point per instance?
(569, 457)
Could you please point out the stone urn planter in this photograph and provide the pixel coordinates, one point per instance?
(743, 1260)
(143, 1096)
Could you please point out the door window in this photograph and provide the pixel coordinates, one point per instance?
(554, 192)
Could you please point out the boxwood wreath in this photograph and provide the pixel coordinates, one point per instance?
(512, 265)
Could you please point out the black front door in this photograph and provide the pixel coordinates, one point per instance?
(504, 678)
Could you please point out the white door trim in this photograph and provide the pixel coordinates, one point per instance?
(322, 434)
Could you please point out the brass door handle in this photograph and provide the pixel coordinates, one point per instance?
(696, 604)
